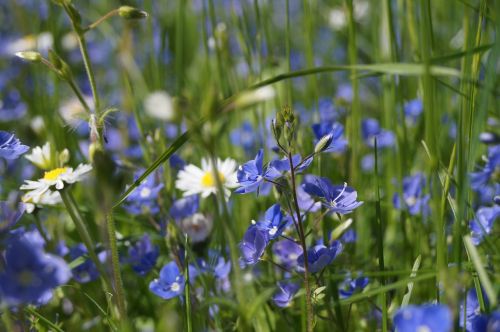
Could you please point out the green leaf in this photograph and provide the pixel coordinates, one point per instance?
(416, 266)
(478, 265)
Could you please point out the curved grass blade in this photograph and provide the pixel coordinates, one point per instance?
(228, 105)
(386, 288)
(407, 296)
(478, 265)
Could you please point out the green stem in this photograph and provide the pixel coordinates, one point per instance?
(380, 240)
(309, 308)
(115, 264)
(102, 19)
(187, 294)
(75, 215)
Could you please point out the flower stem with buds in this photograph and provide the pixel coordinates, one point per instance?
(309, 308)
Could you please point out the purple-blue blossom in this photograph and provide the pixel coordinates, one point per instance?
(10, 146)
(370, 129)
(287, 252)
(492, 167)
(319, 256)
(338, 143)
(274, 222)
(86, 271)
(143, 200)
(285, 293)
(29, 274)
(351, 286)
(338, 199)
(9, 215)
(429, 318)
(170, 282)
(185, 207)
(252, 175)
(253, 245)
(413, 195)
(142, 255)
(482, 224)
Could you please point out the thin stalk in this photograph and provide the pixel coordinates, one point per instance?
(309, 308)
(88, 68)
(380, 240)
(179, 45)
(187, 295)
(75, 215)
(115, 265)
(101, 19)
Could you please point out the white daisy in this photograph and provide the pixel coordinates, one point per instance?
(43, 157)
(57, 178)
(32, 200)
(193, 180)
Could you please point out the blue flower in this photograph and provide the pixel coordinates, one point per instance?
(170, 284)
(430, 317)
(245, 136)
(350, 286)
(306, 202)
(185, 207)
(285, 293)
(349, 236)
(483, 223)
(412, 111)
(338, 143)
(253, 245)
(30, 274)
(143, 255)
(473, 317)
(339, 199)
(10, 146)
(413, 198)
(251, 175)
(143, 200)
(274, 222)
(370, 129)
(11, 107)
(327, 111)
(480, 179)
(287, 252)
(283, 165)
(318, 257)
(86, 271)
(9, 216)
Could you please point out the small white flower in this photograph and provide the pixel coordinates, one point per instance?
(193, 180)
(43, 157)
(32, 199)
(57, 178)
(159, 105)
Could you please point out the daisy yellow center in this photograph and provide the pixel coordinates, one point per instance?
(208, 179)
(54, 174)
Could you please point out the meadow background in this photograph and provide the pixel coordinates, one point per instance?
(204, 79)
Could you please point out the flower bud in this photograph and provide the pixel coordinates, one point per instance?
(31, 56)
(131, 13)
(323, 143)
